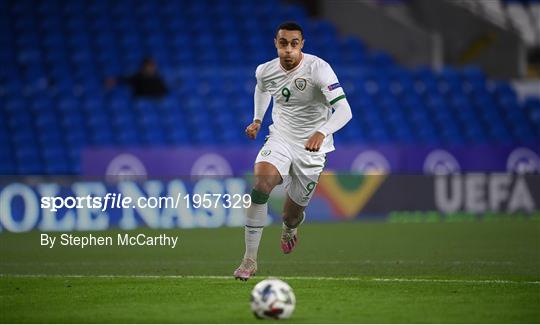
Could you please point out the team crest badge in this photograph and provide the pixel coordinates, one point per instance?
(300, 83)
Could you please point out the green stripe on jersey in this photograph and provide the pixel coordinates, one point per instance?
(335, 100)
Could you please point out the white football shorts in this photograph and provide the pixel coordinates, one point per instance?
(299, 168)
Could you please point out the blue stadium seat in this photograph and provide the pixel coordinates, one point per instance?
(127, 137)
(55, 54)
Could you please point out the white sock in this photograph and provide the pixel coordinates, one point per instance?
(288, 229)
(255, 221)
(252, 238)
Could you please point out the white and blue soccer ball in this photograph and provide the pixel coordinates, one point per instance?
(272, 299)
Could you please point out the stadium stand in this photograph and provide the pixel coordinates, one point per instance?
(55, 55)
(521, 15)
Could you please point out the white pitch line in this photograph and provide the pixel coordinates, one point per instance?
(319, 262)
(495, 281)
(311, 278)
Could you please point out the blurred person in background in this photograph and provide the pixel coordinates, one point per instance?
(146, 82)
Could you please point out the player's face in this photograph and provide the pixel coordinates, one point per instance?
(289, 44)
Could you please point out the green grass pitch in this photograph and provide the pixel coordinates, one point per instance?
(468, 272)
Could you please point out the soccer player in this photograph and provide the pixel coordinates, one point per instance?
(305, 89)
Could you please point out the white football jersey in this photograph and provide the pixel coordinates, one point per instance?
(303, 98)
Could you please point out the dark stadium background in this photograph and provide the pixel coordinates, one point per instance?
(442, 156)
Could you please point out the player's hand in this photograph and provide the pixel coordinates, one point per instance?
(253, 129)
(315, 141)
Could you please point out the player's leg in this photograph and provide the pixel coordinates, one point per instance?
(266, 178)
(272, 162)
(293, 216)
(305, 171)
(293, 213)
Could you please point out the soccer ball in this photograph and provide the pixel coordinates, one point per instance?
(272, 299)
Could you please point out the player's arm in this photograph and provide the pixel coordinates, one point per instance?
(334, 94)
(261, 100)
(341, 116)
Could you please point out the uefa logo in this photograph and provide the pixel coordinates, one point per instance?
(441, 162)
(371, 162)
(523, 161)
(125, 166)
(211, 164)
